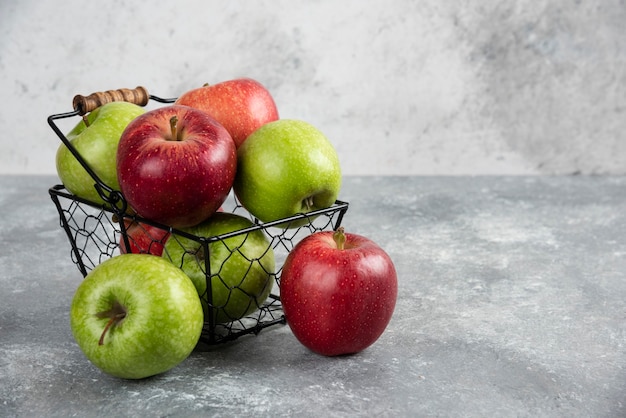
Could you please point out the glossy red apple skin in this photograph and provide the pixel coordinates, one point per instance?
(144, 239)
(242, 105)
(181, 182)
(338, 301)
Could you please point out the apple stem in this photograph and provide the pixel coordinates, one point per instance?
(116, 314)
(173, 127)
(86, 121)
(340, 238)
(308, 203)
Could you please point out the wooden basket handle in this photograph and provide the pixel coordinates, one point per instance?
(86, 104)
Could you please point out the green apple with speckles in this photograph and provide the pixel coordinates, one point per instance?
(96, 140)
(242, 266)
(136, 315)
(284, 168)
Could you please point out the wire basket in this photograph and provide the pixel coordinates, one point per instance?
(97, 232)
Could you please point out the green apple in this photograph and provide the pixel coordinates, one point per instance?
(136, 315)
(286, 167)
(96, 140)
(241, 266)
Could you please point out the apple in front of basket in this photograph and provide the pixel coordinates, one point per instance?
(176, 165)
(136, 315)
(338, 292)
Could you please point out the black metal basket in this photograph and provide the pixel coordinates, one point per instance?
(96, 231)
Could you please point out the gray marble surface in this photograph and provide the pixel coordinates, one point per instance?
(512, 303)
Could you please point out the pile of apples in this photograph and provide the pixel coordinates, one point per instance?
(141, 312)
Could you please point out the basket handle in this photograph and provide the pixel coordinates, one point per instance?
(85, 104)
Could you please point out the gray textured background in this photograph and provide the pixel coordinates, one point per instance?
(402, 87)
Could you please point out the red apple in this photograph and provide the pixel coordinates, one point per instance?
(143, 238)
(176, 165)
(338, 292)
(242, 105)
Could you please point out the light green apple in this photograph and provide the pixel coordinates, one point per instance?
(286, 167)
(96, 141)
(241, 267)
(136, 315)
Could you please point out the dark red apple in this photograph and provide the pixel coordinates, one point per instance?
(338, 292)
(143, 238)
(242, 105)
(176, 165)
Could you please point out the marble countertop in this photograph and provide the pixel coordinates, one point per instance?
(512, 303)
